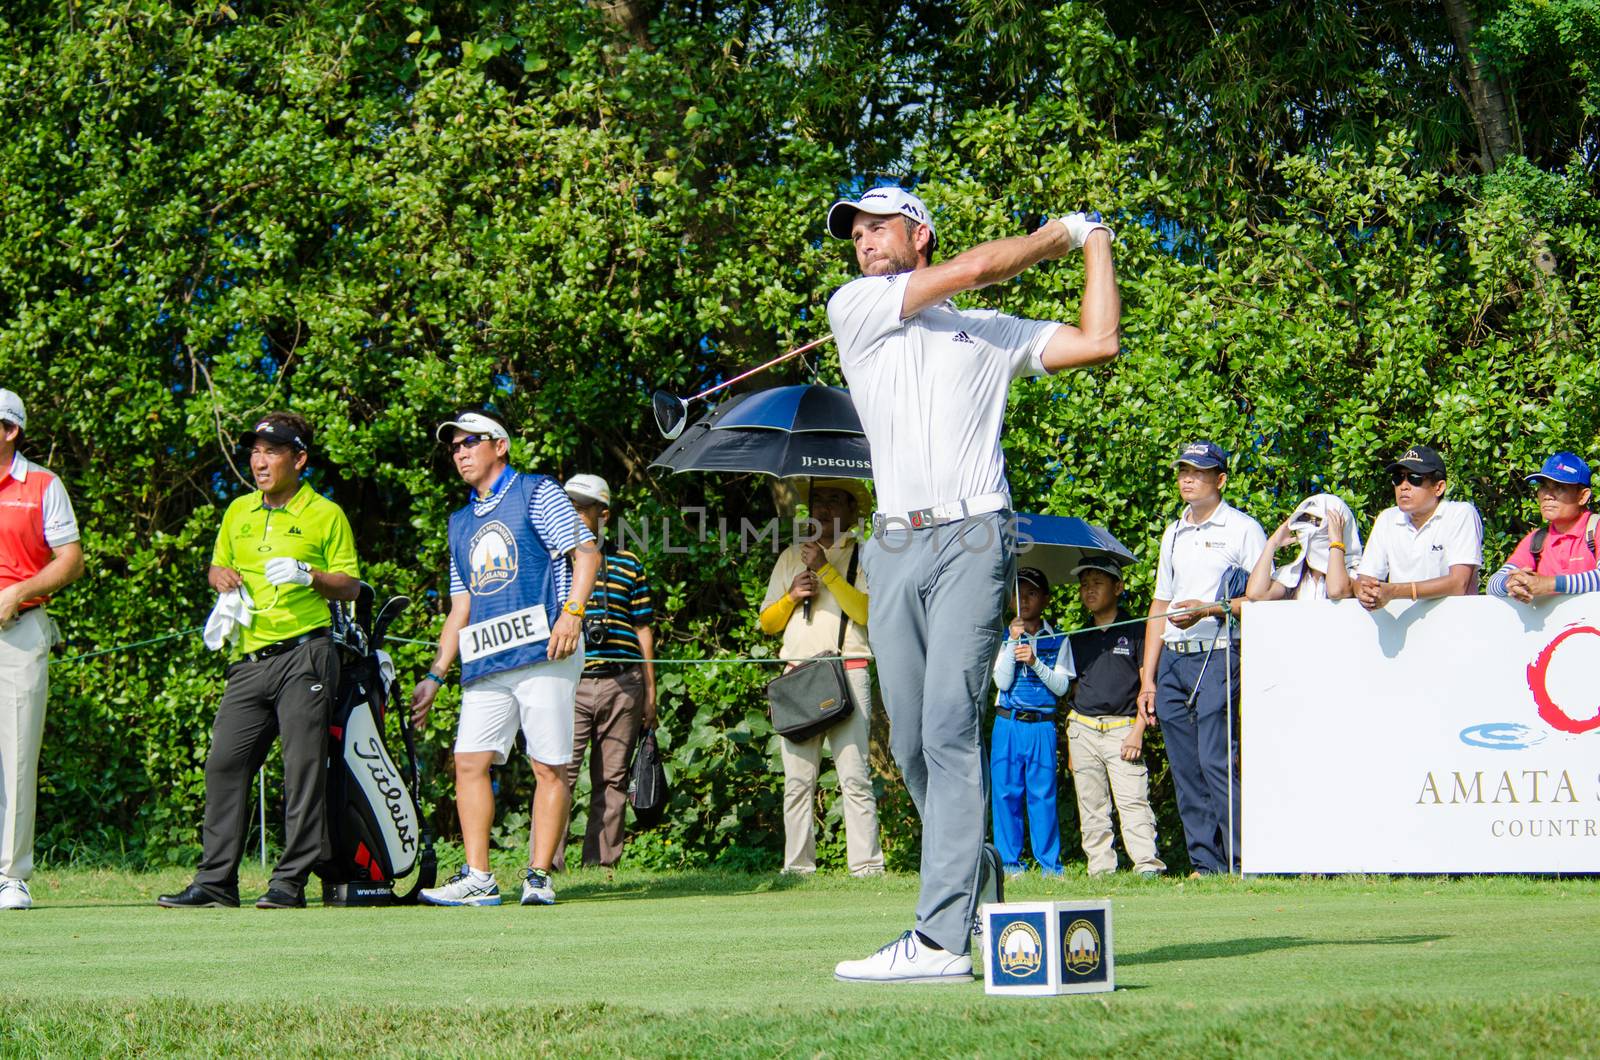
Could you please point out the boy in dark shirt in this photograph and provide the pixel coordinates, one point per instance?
(1105, 733)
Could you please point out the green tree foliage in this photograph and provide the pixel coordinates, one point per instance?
(377, 212)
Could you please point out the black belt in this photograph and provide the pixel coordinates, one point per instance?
(1025, 715)
(609, 669)
(281, 646)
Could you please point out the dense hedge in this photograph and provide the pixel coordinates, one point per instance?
(375, 212)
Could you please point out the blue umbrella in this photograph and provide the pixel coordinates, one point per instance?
(788, 432)
(1057, 543)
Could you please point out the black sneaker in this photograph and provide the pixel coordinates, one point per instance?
(280, 899)
(196, 896)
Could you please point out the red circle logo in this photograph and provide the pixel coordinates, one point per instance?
(1538, 672)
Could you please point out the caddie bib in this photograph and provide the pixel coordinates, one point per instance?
(510, 575)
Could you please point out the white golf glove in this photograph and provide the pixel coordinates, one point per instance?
(1079, 225)
(281, 570)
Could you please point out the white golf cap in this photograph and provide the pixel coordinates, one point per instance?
(472, 423)
(11, 408)
(590, 488)
(883, 202)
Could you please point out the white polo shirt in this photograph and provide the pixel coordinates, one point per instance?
(931, 390)
(1194, 557)
(1400, 552)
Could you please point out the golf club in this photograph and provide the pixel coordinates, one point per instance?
(672, 412)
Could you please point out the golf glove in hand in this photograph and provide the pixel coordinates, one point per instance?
(281, 570)
(1079, 225)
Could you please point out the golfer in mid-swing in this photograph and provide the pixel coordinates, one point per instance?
(929, 382)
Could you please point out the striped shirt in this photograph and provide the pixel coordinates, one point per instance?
(622, 593)
(554, 520)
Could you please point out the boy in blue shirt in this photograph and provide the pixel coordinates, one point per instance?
(1032, 671)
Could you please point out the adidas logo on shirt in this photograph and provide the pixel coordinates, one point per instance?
(962, 336)
(294, 531)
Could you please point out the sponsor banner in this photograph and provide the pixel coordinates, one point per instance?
(1457, 735)
(491, 636)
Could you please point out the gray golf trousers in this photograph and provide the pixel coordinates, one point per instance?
(938, 598)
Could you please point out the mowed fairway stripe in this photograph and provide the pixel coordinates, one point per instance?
(724, 958)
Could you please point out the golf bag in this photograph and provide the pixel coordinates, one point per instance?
(376, 834)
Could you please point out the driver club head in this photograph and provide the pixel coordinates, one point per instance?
(386, 616)
(671, 412)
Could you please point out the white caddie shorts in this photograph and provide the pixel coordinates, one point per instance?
(540, 698)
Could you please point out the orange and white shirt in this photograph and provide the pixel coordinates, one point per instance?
(35, 519)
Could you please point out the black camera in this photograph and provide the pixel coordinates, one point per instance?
(594, 630)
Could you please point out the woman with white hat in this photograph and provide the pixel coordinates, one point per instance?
(1330, 549)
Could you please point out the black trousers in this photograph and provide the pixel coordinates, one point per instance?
(289, 696)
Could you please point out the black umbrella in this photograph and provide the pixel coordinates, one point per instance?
(789, 432)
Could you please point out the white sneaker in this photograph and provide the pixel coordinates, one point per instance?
(907, 960)
(463, 889)
(536, 888)
(14, 894)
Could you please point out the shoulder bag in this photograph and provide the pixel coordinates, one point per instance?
(814, 696)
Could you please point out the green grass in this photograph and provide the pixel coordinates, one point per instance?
(694, 964)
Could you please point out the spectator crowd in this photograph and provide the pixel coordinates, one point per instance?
(1095, 693)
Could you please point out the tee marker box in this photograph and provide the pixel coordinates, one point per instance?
(1047, 948)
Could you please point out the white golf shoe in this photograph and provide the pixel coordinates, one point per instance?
(14, 894)
(463, 889)
(907, 960)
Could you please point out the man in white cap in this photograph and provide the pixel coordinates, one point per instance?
(522, 566)
(929, 382)
(39, 556)
(617, 693)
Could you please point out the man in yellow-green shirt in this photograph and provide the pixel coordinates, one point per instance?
(290, 550)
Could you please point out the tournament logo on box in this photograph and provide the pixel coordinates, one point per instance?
(1020, 949)
(1017, 948)
(1082, 949)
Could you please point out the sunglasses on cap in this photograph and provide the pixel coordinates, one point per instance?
(468, 442)
(1416, 478)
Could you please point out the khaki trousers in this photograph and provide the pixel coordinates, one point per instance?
(24, 682)
(608, 714)
(848, 743)
(1098, 775)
